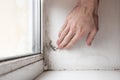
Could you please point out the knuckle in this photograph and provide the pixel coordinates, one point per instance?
(80, 34)
(65, 41)
(61, 38)
(73, 30)
(73, 24)
(66, 30)
(63, 44)
(68, 17)
(60, 33)
(64, 33)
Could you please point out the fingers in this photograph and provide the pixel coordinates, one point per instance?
(96, 21)
(93, 33)
(68, 37)
(66, 40)
(74, 40)
(63, 27)
(63, 34)
(91, 37)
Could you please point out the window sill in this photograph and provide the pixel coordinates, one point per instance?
(12, 65)
(80, 75)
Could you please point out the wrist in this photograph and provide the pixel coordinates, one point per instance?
(90, 6)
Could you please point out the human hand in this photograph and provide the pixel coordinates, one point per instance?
(79, 22)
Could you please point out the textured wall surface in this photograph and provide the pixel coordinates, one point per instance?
(105, 51)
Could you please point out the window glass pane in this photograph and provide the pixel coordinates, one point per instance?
(16, 28)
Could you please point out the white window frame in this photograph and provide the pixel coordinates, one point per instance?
(37, 21)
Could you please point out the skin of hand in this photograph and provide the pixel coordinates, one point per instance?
(83, 19)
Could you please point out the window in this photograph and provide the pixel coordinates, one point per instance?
(20, 28)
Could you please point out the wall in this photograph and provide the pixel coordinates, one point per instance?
(105, 51)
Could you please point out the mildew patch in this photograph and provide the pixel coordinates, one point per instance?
(52, 47)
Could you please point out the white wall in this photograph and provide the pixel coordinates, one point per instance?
(105, 51)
